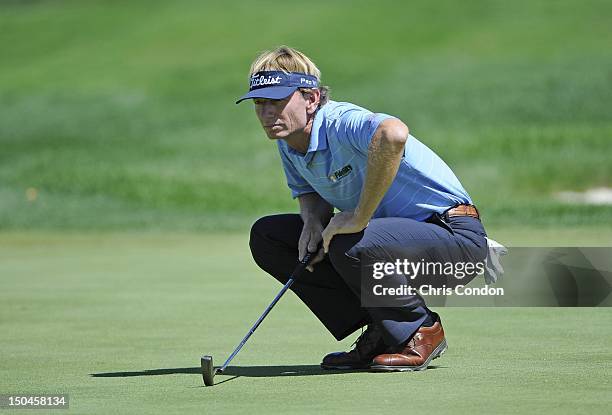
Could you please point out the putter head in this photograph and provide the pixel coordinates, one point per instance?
(208, 370)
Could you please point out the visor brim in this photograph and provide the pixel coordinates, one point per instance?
(274, 92)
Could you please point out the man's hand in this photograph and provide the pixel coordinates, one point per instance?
(309, 242)
(342, 222)
(315, 213)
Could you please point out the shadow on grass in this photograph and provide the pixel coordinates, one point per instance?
(237, 371)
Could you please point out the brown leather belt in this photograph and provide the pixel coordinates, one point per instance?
(462, 210)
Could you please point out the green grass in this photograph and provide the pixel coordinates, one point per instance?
(118, 321)
(122, 116)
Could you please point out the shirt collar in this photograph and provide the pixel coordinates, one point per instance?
(318, 136)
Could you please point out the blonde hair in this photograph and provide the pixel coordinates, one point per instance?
(287, 59)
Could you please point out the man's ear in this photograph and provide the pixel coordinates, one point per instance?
(312, 97)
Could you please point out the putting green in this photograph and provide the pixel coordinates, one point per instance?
(119, 323)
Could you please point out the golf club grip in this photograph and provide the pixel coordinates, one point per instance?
(301, 266)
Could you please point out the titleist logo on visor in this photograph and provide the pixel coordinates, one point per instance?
(279, 78)
(263, 80)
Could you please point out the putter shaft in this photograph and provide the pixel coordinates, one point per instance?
(296, 273)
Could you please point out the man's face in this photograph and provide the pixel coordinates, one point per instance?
(280, 118)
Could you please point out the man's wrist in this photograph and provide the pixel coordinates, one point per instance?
(312, 220)
(361, 218)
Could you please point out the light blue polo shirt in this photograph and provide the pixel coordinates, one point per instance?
(335, 166)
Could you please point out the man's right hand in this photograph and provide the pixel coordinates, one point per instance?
(309, 241)
(315, 213)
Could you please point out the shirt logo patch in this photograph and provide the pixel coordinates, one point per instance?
(343, 172)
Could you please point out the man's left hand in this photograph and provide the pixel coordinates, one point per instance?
(342, 222)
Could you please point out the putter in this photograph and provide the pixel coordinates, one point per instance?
(208, 370)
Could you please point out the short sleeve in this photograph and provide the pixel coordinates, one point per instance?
(298, 185)
(357, 126)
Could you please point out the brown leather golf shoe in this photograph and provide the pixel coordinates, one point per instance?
(428, 343)
(368, 345)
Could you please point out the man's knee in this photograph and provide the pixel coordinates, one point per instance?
(259, 242)
(259, 238)
(342, 252)
(274, 235)
(260, 226)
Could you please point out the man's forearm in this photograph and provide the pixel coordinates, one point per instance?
(314, 208)
(384, 157)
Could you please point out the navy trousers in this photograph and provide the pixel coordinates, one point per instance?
(332, 291)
